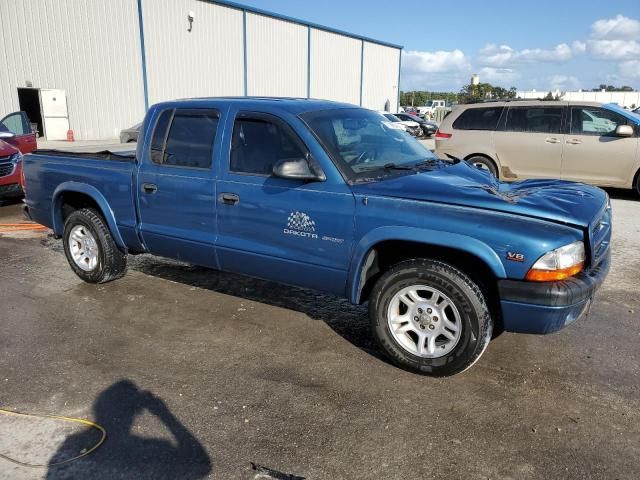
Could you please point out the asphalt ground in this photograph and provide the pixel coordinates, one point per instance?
(200, 374)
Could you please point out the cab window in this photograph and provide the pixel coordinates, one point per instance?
(259, 142)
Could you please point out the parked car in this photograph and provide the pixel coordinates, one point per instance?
(410, 126)
(427, 128)
(15, 129)
(10, 171)
(333, 197)
(411, 110)
(130, 134)
(579, 141)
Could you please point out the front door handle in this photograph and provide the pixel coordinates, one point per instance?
(149, 188)
(229, 198)
(551, 140)
(574, 141)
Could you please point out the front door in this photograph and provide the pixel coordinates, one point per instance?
(593, 153)
(530, 141)
(176, 186)
(279, 229)
(18, 124)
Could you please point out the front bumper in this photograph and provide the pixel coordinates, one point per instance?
(546, 307)
(11, 190)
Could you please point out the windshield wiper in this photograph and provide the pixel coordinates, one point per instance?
(393, 166)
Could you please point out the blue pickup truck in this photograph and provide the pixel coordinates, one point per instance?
(334, 197)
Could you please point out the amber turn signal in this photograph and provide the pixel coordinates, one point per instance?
(534, 275)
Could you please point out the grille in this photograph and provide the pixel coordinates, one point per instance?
(6, 159)
(6, 169)
(600, 234)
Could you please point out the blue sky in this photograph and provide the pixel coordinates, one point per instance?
(543, 44)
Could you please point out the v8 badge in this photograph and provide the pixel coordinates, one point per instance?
(515, 257)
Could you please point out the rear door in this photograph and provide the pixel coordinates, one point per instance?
(18, 124)
(176, 186)
(529, 141)
(593, 153)
(279, 229)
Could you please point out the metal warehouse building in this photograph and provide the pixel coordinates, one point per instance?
(95, 65)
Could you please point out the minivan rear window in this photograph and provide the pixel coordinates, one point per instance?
(478, 119)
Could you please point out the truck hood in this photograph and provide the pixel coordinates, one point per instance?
(462, 184)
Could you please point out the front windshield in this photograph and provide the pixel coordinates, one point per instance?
(362, 141)
(391, 117)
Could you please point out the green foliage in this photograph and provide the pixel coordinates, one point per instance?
(468, 94)
(611, 88)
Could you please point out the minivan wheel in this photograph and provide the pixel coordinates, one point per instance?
(90, 248)
(429, 317)
(484, 163)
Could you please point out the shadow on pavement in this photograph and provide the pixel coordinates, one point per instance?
(125, 454)
(347, 320)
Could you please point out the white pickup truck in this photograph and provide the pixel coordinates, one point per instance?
(429, 109)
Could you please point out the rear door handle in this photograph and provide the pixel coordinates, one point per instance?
(574, 141)
(229, 198)
(551, 140)
(149, 188)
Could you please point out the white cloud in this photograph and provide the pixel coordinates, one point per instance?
(563, 82)
(578, 47)
(615, 49)
(434, 62)
(500, 76)
(630, 69)
(432, 70)
(502, 55)
(620, 27)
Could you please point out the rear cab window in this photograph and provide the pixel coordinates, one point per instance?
(482, 118)
(185, 138)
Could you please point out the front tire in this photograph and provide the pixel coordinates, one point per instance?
(429, 317)
(90, 248)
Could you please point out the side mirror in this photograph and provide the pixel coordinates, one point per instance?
(4, 135)
(298, 169)
(624, 131)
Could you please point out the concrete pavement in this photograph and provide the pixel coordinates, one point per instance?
(202, 374)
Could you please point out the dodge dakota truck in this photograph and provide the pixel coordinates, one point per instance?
(334, 197)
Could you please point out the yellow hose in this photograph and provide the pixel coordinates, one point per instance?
(57, 417)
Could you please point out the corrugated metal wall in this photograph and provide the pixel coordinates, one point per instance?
(92, 50)
(207, 61)
(380, 76)
(276, 57)
(89, 48)
(335, 66)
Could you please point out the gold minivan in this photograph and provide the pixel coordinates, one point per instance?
(514, 140)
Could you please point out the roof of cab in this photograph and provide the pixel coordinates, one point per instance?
(289, 104)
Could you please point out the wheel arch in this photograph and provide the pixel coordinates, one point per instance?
(493, 160)
(384, 247)
(75, 195)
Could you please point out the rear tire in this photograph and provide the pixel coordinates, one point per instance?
(484, 163)
(458, 319)
(90, 248)
(637, 185)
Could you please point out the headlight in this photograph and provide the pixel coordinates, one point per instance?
(558, 264)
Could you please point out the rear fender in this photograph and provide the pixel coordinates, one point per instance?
(96, 196)
(427, 237)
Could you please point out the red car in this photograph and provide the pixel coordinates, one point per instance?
(10, 171)
(16, 138)
(15, 129)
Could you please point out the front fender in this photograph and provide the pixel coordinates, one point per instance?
(96, 196)
(457, 241)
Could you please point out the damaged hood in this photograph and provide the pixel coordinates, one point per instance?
(461, 184)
